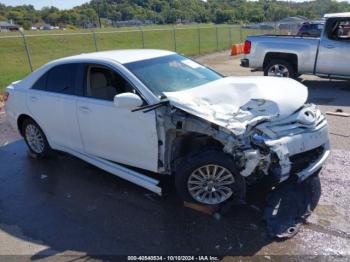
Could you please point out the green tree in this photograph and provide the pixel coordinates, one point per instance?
(224, 16)
(170, 11)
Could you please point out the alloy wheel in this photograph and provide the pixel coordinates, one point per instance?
(34, 138)
(278, 70)
(210, 184)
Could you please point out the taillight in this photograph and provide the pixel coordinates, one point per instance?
(247, 46)
(5, 96)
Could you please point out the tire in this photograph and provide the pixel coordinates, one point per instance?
(188, 170)
(280, 68)
(35, 139)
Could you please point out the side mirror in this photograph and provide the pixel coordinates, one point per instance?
(127, 100)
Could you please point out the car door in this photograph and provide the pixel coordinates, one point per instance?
(52, 103)
(334, 51)
(113, 133)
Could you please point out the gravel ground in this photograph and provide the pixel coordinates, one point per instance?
(7, 134)
(79, 208)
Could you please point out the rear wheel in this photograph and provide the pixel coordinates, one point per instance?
(279, 68)
(208, 178)
(35, 139)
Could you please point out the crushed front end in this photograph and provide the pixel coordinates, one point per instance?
(297, 145)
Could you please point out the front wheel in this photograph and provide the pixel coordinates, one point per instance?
(279, 68)
(208, 178)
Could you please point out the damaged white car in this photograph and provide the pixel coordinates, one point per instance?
(152, 110)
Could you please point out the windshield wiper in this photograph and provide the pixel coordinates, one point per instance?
(148, 108)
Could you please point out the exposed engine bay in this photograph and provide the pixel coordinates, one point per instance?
(266, 132)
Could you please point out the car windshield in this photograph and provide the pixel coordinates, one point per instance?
(171, 73)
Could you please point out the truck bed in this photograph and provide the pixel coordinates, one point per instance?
(305, 48)
(289, 36)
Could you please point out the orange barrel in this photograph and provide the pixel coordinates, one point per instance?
(235, 49)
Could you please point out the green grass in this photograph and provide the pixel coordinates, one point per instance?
(45, 46)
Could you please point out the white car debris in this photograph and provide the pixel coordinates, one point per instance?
(161, 112)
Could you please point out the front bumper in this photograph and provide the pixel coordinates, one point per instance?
(245, 62)
(315, 165)
(301, 154)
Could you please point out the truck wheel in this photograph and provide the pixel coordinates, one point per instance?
(279, 68)
(208, 178)
(35, 139)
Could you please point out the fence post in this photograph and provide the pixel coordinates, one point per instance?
(217, 38)
(230, 36)
(241, 33)
(275, 28)
(199, 39)
(27, 51)
(95, 40)
(174, 38)
(142, 37)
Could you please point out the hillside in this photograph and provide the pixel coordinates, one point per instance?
(170, 11)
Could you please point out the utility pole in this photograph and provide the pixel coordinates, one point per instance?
(98, 14)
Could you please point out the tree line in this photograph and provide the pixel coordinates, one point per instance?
(170, 11)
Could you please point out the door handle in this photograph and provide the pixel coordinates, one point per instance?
(84, 109)
(330, 46)
(33, 98)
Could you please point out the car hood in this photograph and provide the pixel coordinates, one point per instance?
(235, 102)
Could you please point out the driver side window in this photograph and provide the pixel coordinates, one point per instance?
(104, 83)
(341, 31)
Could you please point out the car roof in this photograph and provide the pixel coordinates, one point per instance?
(121, 56)
(345, 14)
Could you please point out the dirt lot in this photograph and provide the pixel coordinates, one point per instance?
(65, 206)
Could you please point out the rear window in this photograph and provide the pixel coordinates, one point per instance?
(62, 78)
(41, 83)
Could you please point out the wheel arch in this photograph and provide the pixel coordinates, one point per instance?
(290, 57)
(191, 143)
(212, 157)
(20, 120)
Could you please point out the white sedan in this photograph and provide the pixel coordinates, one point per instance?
(158, 111)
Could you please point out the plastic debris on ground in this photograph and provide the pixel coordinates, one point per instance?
(289, 204)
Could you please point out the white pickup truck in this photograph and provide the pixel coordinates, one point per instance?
(291, 56)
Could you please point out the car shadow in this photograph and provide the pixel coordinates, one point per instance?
(328, 93)
(69, 205)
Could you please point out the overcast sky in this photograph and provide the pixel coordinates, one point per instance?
(61, 4)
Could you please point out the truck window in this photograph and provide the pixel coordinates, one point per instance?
(341, 30)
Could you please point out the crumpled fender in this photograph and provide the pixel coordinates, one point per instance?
(234, 102)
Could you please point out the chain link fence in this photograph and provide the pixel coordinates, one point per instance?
(22, 53)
